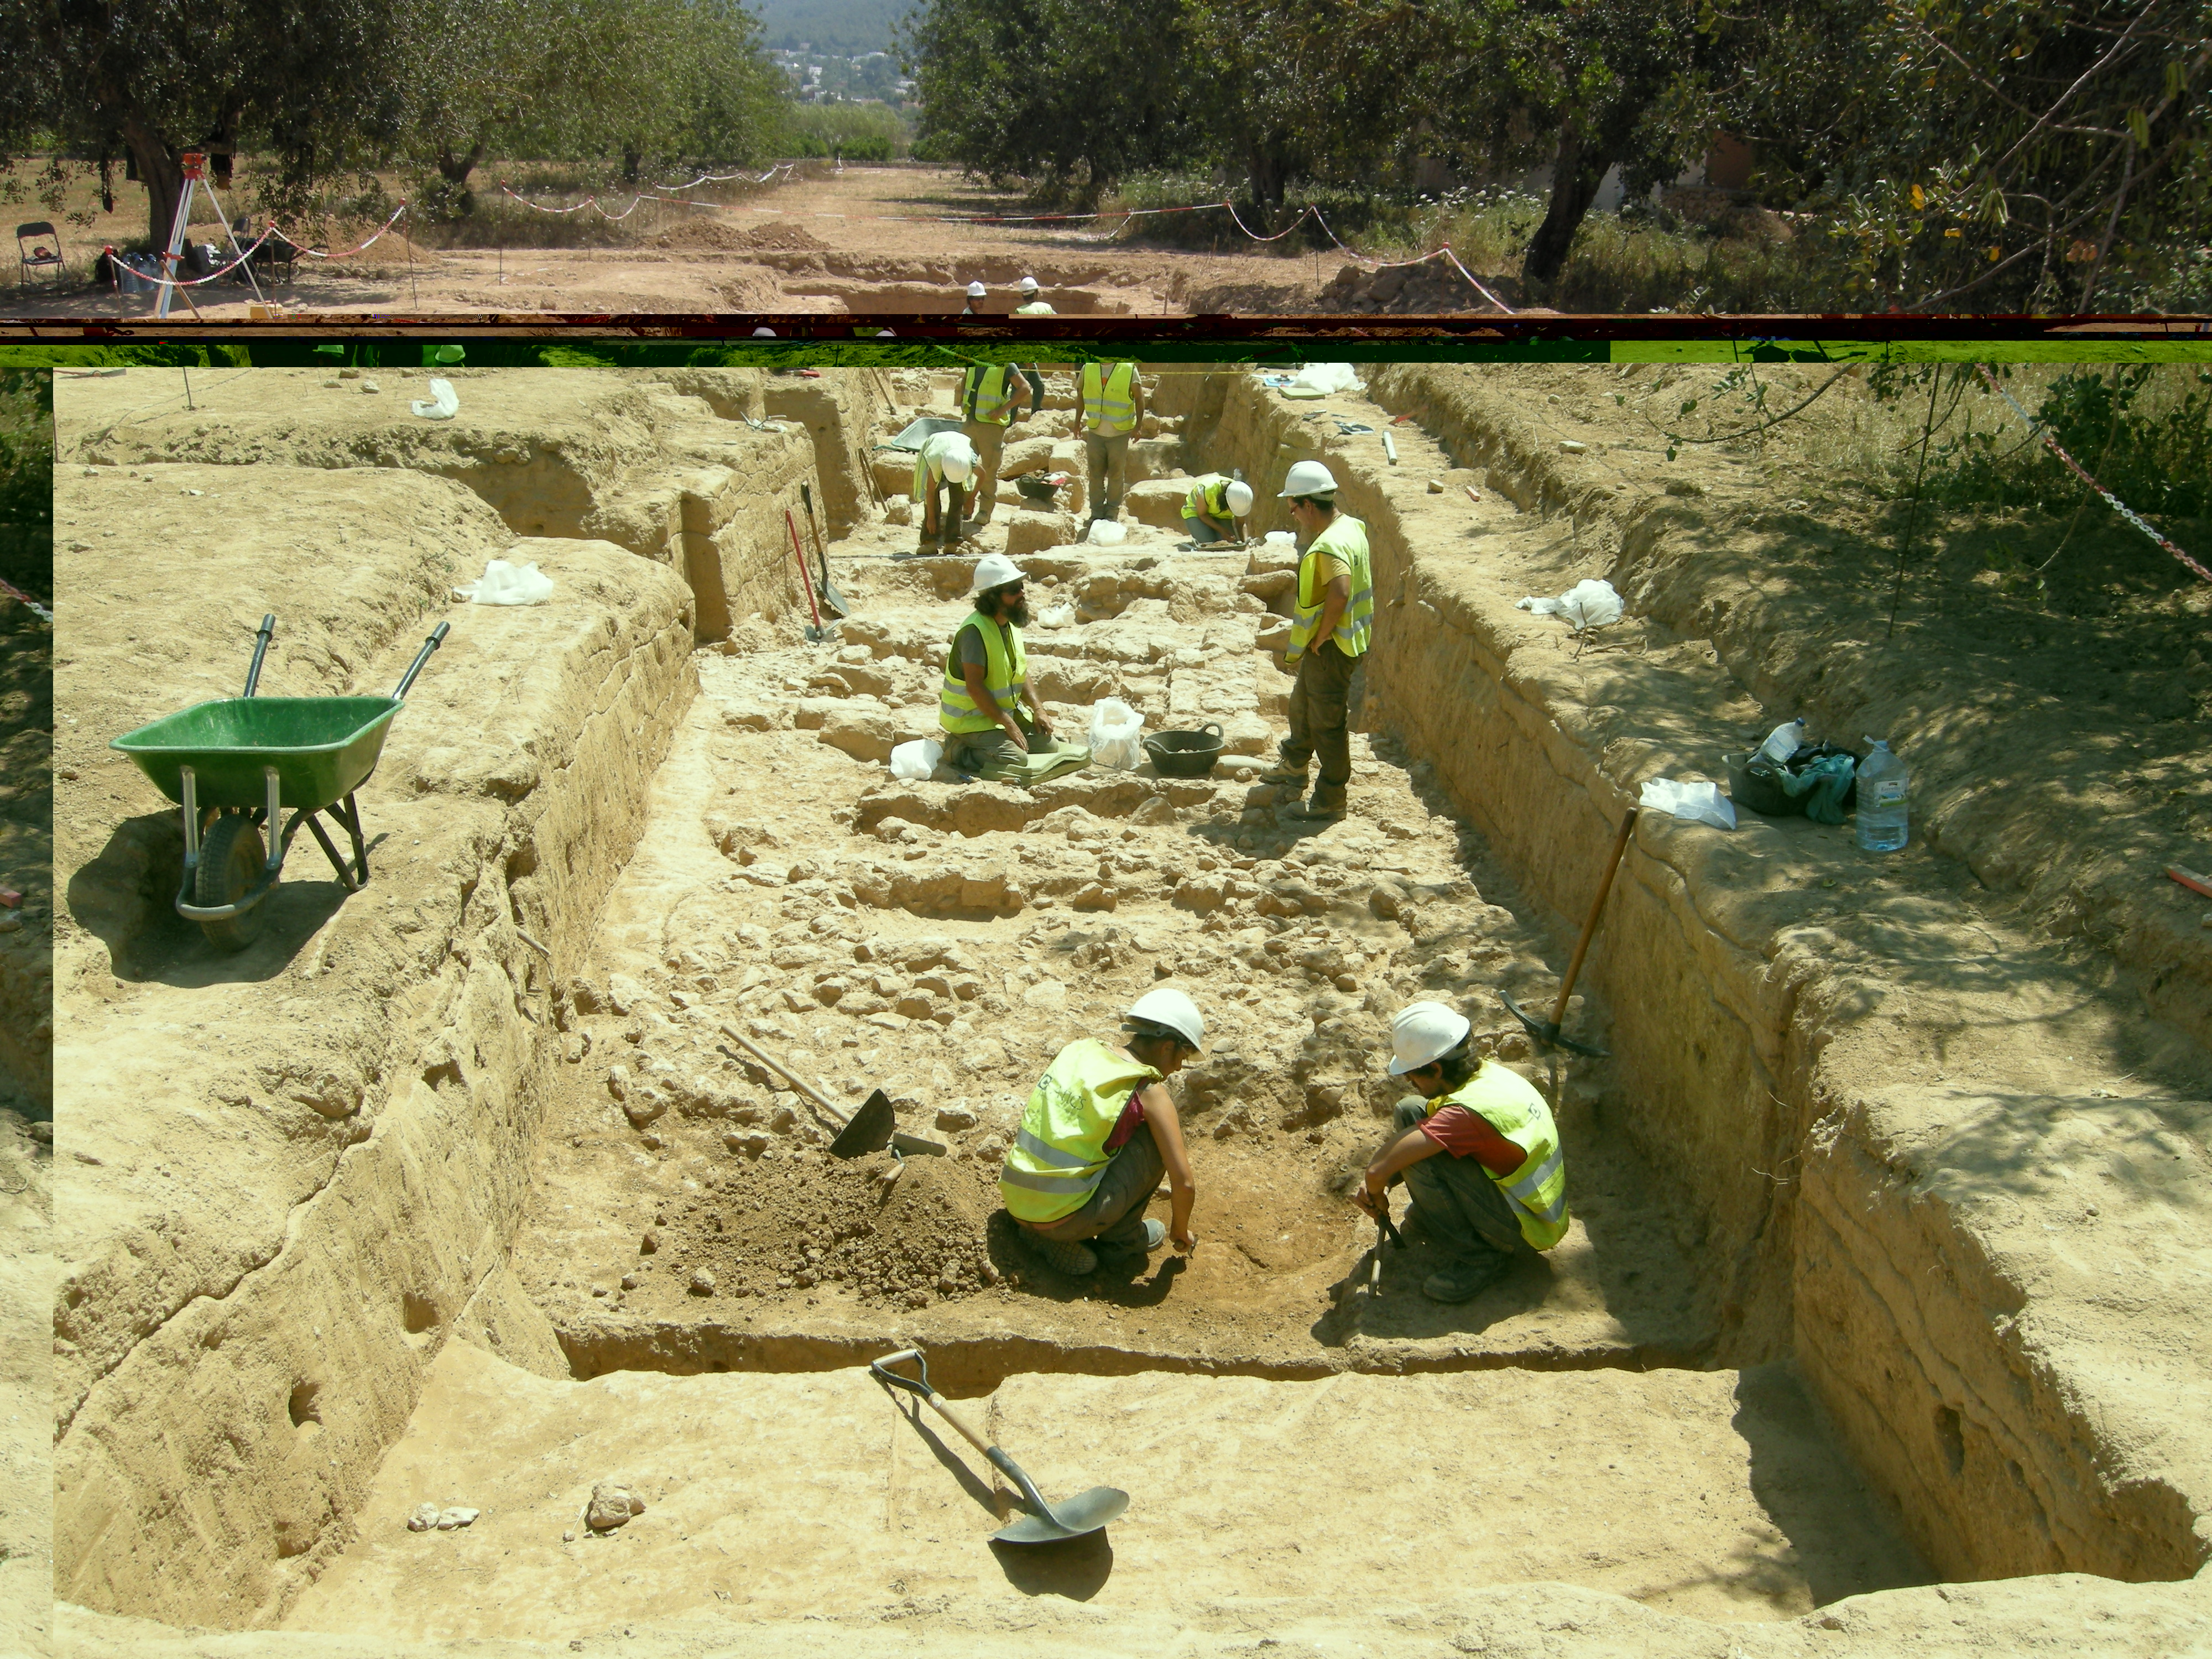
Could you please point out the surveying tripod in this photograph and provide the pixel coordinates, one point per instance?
(195, 166)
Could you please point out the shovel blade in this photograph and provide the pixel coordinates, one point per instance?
(869, 1130)
(832, 600)
(1085, 1512)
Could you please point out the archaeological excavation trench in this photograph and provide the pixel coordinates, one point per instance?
(455, 1191)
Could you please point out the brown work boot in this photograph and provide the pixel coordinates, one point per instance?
(1326, 803)
(1283, 772)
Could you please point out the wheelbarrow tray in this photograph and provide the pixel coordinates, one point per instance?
(323, 748)
(919, 432)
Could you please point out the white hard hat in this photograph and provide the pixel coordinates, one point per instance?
(1239, 497)
(994, 570)
(957, 462)
(763, 334)
(1028, 285)
(1423, 1032)
(1171, 1008)
(977, 291)
(1307, 478)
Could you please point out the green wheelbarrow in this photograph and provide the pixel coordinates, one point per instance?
(235, 764)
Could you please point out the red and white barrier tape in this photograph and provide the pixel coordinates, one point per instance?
(2075, 467)
(656, 194)
(254, 246)
(17, 593)
(346, 252)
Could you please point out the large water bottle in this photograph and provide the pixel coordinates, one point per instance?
(1883, 780)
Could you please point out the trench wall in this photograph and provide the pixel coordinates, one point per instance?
(1982, 1430)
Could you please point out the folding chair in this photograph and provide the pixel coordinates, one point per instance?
(273, 257)
(36, 255)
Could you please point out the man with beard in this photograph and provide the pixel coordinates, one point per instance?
(993, 725)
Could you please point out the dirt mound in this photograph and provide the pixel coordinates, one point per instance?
(777, 1223)
(1432, 287)
(727, 236)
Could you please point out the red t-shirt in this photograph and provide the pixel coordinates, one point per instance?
(1455, 1128)
(1126, 1124)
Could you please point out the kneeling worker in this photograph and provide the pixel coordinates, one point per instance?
(1214, 508)
(1099, 1131)
(1501, 1185)
(994, 726)
(941, 468)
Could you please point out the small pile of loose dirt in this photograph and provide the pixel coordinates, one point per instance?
(725, 236)
(786, 1222)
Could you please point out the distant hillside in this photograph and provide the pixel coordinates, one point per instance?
(844, 27)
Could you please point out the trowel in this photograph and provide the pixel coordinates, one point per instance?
(871, 1129)
(1045, 1523)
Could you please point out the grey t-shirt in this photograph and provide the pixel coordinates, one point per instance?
(971, 647)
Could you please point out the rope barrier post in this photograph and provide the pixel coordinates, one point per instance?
(413, 298)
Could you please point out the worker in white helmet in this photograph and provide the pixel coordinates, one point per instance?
(975, 291)
(942, 468)
(993, 725)
(1033, 300)
(1477, 1149)
(1214, 508)
(1099, 1132)
(1332, 620)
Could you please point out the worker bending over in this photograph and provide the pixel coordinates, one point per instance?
(1481, 1157)
(1333, 620)
(993, 725)
(941, 467)
(1099, 1130)
(1113, 399)
(990, 401)
(1214, 506)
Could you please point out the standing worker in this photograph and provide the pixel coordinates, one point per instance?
(1500, 1188)
(1033, 303)
(1113, 399)
(1099, 1132)
(942, 465)
(1214, 508)
(1333, 621)
(990, 400)
(987, 688)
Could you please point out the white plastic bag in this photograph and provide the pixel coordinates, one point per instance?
(1106, 532)
(1319, 379)
(1282, 538)
(1116, 735)
(445, 403)
(1058, 615)
(1592, 603)
(916, 761)
(1700, 803)
(502, 583)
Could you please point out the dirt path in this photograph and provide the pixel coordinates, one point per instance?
(869, 239)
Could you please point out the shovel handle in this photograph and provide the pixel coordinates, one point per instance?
(1589, 922)
(936, 1401)
(804, 574)
(785, 1073)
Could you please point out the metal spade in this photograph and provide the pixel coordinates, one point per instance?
(1045, 1523)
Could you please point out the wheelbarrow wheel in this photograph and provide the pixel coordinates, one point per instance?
(231, 858)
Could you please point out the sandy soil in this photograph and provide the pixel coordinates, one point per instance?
(869, 239)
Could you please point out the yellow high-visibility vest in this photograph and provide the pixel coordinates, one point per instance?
(1536, 1191)
(984, 396)
(1061, 1151)
(1006, 674)
(1208, 495)
(1345, 537)
(1110, 400)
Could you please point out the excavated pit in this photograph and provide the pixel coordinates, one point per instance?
(668, 1279)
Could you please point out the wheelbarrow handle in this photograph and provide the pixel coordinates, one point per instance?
(437, 638)
(261, 638)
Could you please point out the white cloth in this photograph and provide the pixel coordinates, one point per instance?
(1592, 603)
(502, 583)
(1700, 803)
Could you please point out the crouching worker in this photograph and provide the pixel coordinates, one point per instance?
(942, 468)
(994, 726)
(1099, 1130)
(1214, 508)
(1479, 1152)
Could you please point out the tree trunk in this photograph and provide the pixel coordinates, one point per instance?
(455, 170)
(1265, 170)
(161, 174)
(631, 161)
(1577, 167)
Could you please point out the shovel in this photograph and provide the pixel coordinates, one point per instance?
(816, 633)
(868, 1130)
(1544, 1033)
(830, 597)
(1085, 1512)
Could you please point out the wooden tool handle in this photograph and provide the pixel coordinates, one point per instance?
(943, 1407)
(785, 1073)
(1589, 922)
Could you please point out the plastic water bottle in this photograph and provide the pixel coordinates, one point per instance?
(1883, 780)
(1785, 740)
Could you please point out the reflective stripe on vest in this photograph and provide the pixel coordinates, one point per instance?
(1347, 537)
(1006, 672)
(1110, 409)
(1537, 1191)
(1061, 1151)
(984, 397)
(1209, 496)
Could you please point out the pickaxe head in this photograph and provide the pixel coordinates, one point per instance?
(1544, 1033)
